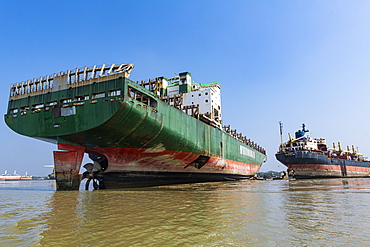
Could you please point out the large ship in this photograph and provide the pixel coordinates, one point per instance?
(14, 177)
(137, 133)
(308, 157)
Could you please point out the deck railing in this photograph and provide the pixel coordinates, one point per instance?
(72, 76)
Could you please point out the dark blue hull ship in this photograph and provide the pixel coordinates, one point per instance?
(306, 157)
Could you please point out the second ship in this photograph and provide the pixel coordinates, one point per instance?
(308, 157)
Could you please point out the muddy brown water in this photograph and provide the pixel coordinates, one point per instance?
(316, 212)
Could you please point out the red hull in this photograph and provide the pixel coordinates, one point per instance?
(326, 170)
(157, 160)
(130, 164)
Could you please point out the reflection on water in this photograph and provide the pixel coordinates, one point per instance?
(330, 211)
(244, 213)
(184, 215)
(22, 204)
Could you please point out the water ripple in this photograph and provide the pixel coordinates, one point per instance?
(245, 213)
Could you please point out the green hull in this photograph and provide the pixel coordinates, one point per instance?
(149, 135)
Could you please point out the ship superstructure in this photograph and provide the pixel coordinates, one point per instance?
(308, 157)
(154, 131)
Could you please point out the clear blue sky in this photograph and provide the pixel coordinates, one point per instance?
(290, 61)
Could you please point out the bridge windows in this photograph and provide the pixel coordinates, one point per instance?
(115, 92)
(50, 104)
(13, 111)
(98, 95)
(53, 103)
(24, 110)
(37, 108)
(65, 101)
(81, 98)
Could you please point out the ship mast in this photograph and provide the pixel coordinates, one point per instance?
(281, 132)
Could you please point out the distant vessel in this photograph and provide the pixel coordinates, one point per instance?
(306, 157)
(15, 176)
(26, 177)
(160, 131)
